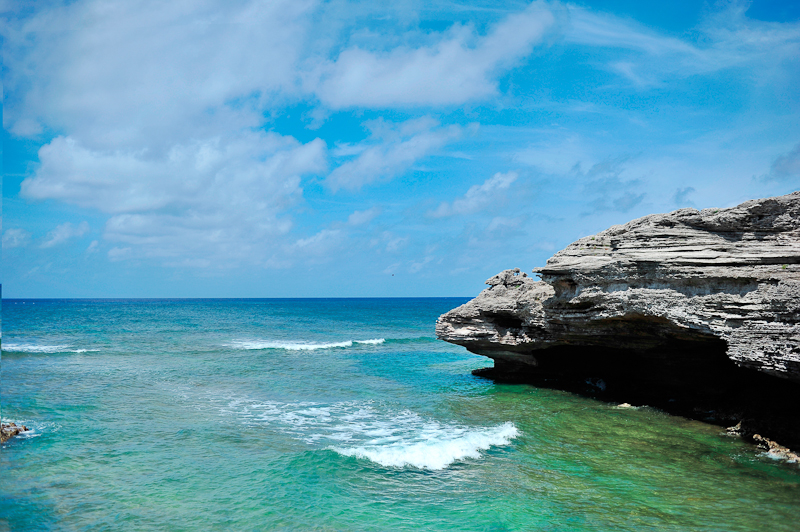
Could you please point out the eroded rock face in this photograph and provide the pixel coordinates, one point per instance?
(681, 286)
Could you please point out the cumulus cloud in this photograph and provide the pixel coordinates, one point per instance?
(15, 237)
(219, 196)
(145, 72)
(477, 197)
(63, 233)
(263, 168)
(160, 111)
(391, 150)
(160, 105)
(460, 66)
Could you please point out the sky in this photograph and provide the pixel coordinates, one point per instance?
(308, 148)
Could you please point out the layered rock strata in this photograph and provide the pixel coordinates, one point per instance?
(688, 308)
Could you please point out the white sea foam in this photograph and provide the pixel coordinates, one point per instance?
(291, 346)
(374, 341)
(299, 346)
(36, 348)
(363, 430)
(436, 447)
(35, 428)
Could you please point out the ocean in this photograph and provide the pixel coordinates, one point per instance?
(336, 414)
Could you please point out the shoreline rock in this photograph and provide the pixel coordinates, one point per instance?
(9, 430)
(775, 450)
(694, 312)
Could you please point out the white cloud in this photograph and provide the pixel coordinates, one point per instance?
(727, 39)
(326, 235)
(461, 66)
(221, 196)
(26, 127)
(600, 29)
(391, 150)
(477, 197)
(261, 168)
(359, 218)
(160, 109)
(149, 73)
(146, 72)
(15, 237)
(319, 244)
(63, 233)
(160, 105)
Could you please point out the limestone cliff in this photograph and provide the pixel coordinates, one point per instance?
(674, 301)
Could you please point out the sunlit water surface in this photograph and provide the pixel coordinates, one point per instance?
(336, 415)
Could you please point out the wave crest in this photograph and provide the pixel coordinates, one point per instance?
(374, 341)
(36, 348)
(435, 450)
(299, 346)
(364, 430)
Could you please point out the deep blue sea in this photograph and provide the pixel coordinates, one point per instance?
(336, 414)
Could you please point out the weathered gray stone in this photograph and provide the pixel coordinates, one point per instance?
(730, 275)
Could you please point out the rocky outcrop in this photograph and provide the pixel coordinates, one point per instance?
(662, 308)
(9, 430)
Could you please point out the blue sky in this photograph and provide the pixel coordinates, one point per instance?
(301, 148)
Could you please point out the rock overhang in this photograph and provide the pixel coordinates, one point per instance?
(730, 274)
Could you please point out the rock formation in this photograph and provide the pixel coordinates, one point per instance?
(689, 308)
(9, 430)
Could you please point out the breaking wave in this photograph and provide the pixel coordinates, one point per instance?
(37, 348)
(359, 429)
(35, 428)
(374, 341)
(434, 446)
(300, 346)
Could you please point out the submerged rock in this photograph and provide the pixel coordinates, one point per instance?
(9, 430)
(686, 310)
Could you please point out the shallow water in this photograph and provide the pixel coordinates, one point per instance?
(336, 415)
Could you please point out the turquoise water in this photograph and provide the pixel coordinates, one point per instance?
(336, 415)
